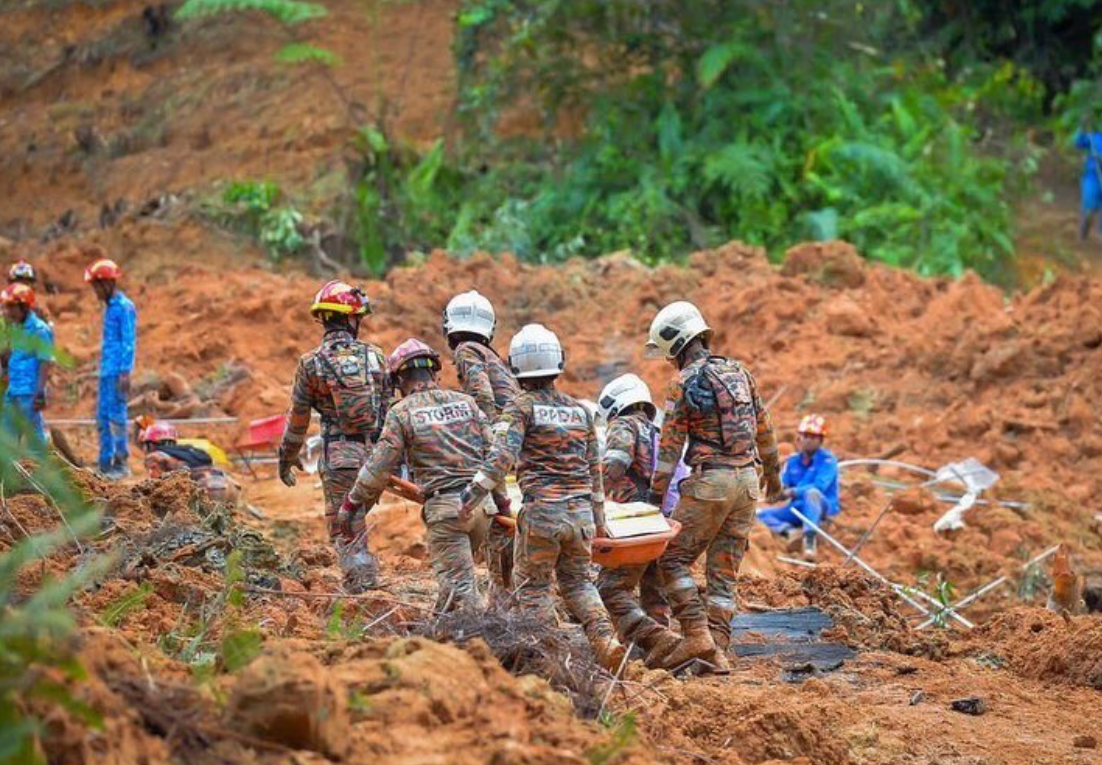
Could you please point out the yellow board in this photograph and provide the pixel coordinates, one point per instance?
(216, 454)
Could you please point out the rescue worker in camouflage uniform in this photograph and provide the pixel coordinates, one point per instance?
(443, 437)
(714, 406)
(628, 461)
(469, 324)
(347, 383)
(553, 441)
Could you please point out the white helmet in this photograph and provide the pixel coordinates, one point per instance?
(535, 351)
(621, 393)
(470, 312)
(672, 329)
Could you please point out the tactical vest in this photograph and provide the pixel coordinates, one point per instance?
(348, 370)
(720, 391)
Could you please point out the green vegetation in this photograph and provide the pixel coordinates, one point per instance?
(255, 208)
(587, 127)
(37, 659)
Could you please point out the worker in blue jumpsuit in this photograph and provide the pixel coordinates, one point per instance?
(120, 329)
(28, 364)
(1090, 184)
(810, 479)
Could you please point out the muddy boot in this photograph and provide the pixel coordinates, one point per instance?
(361, 570)
(659, 647)
(697, 644)
(810, 547)
(720, 661)
(609, 653)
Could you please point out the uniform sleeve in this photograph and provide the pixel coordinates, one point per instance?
(619, 447)
(44, 349)
(128, 339)
(508, 438)
(476, 381)
(298, 416)
(766, 440)
(385, 457)
(384, 381)
(675, 430)
(593, 455)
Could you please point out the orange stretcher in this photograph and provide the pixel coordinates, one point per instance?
(609, 553)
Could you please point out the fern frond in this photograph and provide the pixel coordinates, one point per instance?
(301, 53)
(744, 168)
(286, 11)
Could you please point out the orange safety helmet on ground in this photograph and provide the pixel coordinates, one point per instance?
(21, 271)
(17, 294)
(341, 297)
(413, 354)
(102, 270)
(159, 431)
(813, 425)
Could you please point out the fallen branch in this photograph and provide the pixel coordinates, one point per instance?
(335, 596)
(30, 479)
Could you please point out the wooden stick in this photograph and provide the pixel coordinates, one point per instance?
(334, 596)
(49, 501)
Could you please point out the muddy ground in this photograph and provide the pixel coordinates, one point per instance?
(110, 138)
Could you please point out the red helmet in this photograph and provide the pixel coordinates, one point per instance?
(159, 431)
(413, 354)
(21, 271)
(103, 269)
(17, 294)
(339, 297)
(813, 425)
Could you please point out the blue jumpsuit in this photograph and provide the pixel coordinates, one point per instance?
(28, 355)
(1090, 184)
(120, 329)
(816, 487)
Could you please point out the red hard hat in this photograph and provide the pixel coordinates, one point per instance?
(813, 425)
(103, 269)
(340, 297)
(159, 431)
(21, 271)
(413, 354)
(17, 294)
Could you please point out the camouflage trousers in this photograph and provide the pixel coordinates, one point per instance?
(554, 539)
(716, 511)
(498, 552)
(338, 468)
(634, 619)
(452, 543)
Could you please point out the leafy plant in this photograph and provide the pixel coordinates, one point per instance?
(624, 732)
(37, 660)
(118, 609)
(253, 206)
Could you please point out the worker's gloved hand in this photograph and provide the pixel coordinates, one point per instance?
(504, 505)
(39, 402)
(467, 504)
(124, 384)
(287, 473)
(346, 516)
(654, 498)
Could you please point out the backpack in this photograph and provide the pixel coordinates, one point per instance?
(349, 369)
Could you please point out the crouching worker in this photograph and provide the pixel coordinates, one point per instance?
(810, 479)
(553, 441)
(628, 463)
(443, 437)
(163, 455)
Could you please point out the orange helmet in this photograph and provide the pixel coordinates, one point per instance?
(339, 297)
(159, 431)
(103, 269)
(413, 354)
(17, 294)
(813, 425)
(21, 271)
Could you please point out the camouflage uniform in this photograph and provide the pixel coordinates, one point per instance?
(444, 437)
(211, 480)
(553, 440)
(630, 444)
(714, 404)
(491, 383)
(348, 429)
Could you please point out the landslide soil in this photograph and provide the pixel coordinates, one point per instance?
(929, 371)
